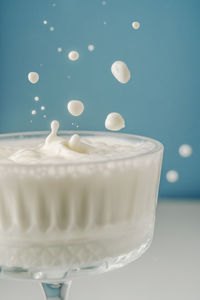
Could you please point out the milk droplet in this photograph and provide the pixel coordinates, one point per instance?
(59, 49)
(42, 107)
(114, 121)
(44, 116)
(120, 71)
(34, 112)
(185, 150)
(73, 55)
(36, 98)
(75, 107)
(136, 25)
(172, 176)
(91, 47)
(33, 77)
(103, 3)
(45, 22)
(74, 142)
(51, 28)
(105, 23)
(54, 127)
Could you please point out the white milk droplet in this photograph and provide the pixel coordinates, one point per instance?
(34, 112)
(44, 116)
(185, 150)
(105, 23)
(51, 28)
(45, 22)
(75, 107)
(42, 107)
(172, 176)
(73, 55)
(136, 25)
(59, 49)
(54, 127)
(120, 71)
(114, 121)
(74, 142)
(36, 98)
(33, 77)
(91, 47)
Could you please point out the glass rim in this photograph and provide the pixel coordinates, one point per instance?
(27, 134)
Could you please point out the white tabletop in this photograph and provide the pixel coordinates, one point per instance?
(170, 269)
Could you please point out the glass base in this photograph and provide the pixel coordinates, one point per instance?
(54, 275)
(55, 283)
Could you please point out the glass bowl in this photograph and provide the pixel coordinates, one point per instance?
(59, 221)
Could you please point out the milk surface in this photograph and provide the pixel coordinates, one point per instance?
(76, 149)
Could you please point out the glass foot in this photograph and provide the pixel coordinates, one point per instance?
(56, 291)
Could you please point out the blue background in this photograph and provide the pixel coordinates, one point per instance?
(162, 99)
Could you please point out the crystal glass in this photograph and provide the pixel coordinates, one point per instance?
(60, 221)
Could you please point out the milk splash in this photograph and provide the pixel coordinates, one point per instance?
(54, 147)
(61, 144)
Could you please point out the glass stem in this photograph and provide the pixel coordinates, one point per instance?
(56, 291)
